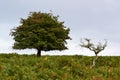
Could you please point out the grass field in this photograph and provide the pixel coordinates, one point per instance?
(30, 67)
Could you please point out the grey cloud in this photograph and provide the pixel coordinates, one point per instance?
(98, 19)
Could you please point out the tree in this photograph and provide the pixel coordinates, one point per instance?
(40, 31)
(92, 47)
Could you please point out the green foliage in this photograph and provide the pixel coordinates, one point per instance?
(41, 31)
(30, 67)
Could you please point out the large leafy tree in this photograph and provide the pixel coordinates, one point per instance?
(40, 31)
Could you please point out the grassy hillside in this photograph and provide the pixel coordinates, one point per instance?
(30, 67)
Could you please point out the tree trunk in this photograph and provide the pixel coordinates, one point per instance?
(94, 63)
(38, 52)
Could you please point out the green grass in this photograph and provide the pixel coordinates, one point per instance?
(30, 67)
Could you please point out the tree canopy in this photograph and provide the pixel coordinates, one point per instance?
(40, 31)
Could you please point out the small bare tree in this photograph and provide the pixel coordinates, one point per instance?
(95, 48)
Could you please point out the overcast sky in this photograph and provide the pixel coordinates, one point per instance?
(94, 19)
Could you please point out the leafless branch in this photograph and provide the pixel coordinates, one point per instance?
(95, 48)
